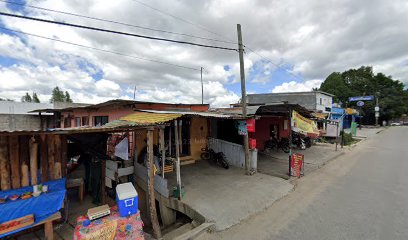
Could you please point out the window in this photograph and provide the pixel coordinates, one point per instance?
(320, 101)
(67, 122)
(77, 122)
(100, 120)
(85, 121)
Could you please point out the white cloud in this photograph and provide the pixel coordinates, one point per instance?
(314, 37)
(297, 87)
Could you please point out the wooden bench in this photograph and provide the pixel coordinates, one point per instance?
(48, 225)
(79, 183)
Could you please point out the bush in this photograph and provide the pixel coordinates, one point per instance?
(348, 138)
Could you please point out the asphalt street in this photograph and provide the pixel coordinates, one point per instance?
(369, 202)
(361, 195)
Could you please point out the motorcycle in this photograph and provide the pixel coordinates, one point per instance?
(298, 141)
(218, 158)
(274, 143)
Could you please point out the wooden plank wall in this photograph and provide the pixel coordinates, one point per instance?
(22, 156)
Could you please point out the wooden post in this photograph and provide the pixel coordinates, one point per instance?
(176, 139)
(163, 151)
(150, 185)
(33, 161)
(180, 138)
(25, 160)
(4, 163)
(44, 158)
(103, 176)
(51, 156)
(170, 147)
(57, 157)
(64, 156)
(14, 162)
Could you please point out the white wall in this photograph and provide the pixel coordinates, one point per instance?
(325, 100)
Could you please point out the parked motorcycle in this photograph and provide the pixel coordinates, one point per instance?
(298, 141)
(274, 143)
(218, 158)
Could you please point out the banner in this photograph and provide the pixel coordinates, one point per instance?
(296, 164)
(303, 125)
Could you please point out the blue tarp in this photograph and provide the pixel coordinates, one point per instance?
(42, 206)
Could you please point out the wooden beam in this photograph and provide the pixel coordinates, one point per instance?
(57, 157)
(14, 155)
(150, 185)
(4, 164)
(177, 143)
(64, 155)
(51, 156)
(33, 160)
(44, 158)
(163, 151)
(24, 160)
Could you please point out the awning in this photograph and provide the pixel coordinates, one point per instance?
(143, 118)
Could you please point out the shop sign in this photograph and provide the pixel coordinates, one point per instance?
(361, 98)
(296, 164)
(242, 128)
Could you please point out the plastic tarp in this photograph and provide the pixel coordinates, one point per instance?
(42, 206)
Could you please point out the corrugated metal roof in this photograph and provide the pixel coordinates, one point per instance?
(10, 107)
(191, 113)
(150, 118)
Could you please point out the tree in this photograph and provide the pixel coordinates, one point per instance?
(59, 96)
(67, 97)
(26, 98)
(363, 82)
(35, 98)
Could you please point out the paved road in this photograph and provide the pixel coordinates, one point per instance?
(361, 195)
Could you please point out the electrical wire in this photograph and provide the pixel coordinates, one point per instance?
(277, 65)
(116, 32)
(115, 22)
(183, 20)
(101, 50)
(207, 30)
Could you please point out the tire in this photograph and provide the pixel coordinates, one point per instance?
(224, 164)
(205, 156)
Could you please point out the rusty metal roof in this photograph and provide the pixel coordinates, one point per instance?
(193, 113)
(143, 118)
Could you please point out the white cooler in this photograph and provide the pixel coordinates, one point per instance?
(127, 199)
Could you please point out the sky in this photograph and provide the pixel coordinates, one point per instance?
(289, 46)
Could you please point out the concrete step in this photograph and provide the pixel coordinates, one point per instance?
(178, 231)
(196, 232)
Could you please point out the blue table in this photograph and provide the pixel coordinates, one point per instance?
(42, 206)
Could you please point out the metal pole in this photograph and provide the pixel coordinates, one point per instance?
(337, 134)
(375, 112)
(202, 86)
(243, 100)
(290, 140)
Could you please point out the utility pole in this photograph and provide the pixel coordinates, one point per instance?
(243, 99)
(202, 86)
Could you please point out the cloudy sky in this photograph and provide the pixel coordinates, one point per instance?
(296, 44)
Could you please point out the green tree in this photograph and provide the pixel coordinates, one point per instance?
(35, 98)
(57, 95)
(362, 82)
(26, 98)
(68, 97)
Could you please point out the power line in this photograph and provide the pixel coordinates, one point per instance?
(277, 65)
(116, 32)
(207, 30)
(102, 50)
(182, 19)
(115, 22)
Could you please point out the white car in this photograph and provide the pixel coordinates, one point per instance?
(395, 124)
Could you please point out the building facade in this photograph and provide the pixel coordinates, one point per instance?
(315, 101)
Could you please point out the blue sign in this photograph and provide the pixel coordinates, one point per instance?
(360, 103)
(361, 98)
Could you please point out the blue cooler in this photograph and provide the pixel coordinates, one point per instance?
(127, 199)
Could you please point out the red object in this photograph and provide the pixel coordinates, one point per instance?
(250, 125)
(296, 164)
(252, 143)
